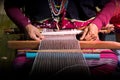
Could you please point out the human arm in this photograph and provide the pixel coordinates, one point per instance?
(102, 19)
(14, 12)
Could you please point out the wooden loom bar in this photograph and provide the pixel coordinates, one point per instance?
(65, 50)
(83, 44)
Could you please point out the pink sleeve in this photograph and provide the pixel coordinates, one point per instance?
(16, 15)
(103, 18)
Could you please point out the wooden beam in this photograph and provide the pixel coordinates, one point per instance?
(83, 44)
(23, 44)
(100, 44)
(64, 50)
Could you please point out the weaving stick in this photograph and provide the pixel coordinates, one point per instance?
(63, 32)
(86, 56)
(65, 50)
(84, 44)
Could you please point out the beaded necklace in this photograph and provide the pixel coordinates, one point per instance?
(57, 7)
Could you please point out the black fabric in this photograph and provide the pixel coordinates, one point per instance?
(77, 9)
(37, 9)
(13, 3)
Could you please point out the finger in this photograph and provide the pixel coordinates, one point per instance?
(35, 38)
(39, 35)
(84, 34)
(87, 37)
(93, 39)
(90, 36)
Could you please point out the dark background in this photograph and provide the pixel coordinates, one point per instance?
(6, 55)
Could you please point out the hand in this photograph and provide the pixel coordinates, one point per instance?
(34, 32)
(90, 33)
(107, 29)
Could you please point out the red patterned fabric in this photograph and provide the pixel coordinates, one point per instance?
(106, 65)
(65, 23)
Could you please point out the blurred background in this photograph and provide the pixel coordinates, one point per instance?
(6, 54)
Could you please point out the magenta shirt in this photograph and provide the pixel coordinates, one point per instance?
(102, 19)
(105, 15)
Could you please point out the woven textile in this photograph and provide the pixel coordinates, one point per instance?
(59, 63)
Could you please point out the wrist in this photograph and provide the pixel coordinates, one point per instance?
(93, 25)
(28, 26)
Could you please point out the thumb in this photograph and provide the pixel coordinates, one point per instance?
(84, 34)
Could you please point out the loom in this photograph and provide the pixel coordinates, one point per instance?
(59, 56)
(31, 44)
